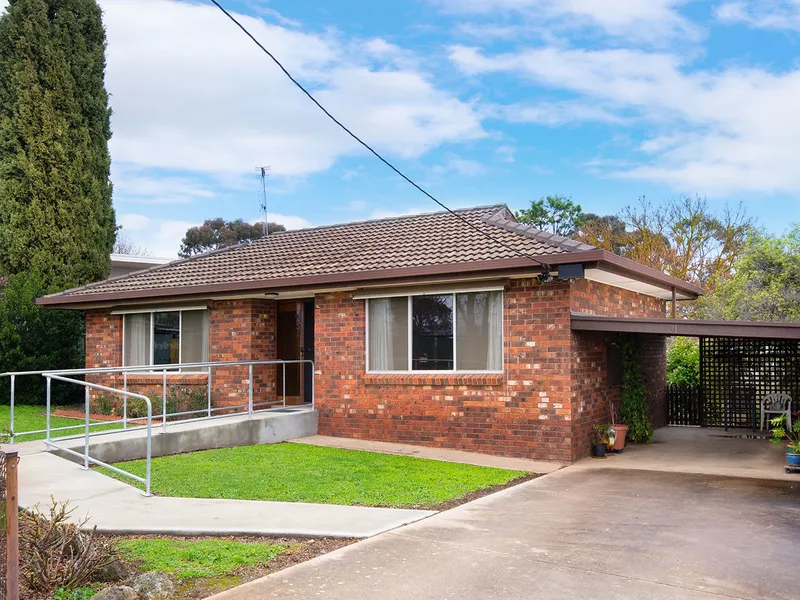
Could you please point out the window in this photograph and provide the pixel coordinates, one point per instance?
(165, 337)
(437, 332)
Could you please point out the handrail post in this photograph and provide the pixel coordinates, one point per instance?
(125, 400)
(250, 393)
(149, 446)
(283, 364)
(209, 391)
(47, 412)
(86, 434)
(164, 402)
(313, 385)
(11, 406)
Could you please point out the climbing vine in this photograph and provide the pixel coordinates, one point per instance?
(633, 407)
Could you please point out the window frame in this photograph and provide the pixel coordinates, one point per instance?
(151, 312)
(453, 293)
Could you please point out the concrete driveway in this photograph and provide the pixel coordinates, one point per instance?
(577, 533)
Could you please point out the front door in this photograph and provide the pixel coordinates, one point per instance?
(295, 341)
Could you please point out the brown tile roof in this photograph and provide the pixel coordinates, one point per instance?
(377, 245)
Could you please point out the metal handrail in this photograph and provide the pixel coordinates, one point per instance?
(163, 370)
(88, 459)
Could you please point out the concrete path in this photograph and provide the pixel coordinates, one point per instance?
(592, 534)
(443, 454)
(705, 451)
(119, 508)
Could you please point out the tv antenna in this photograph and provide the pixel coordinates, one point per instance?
(263, 170)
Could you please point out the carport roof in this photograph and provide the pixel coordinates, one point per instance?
(687, 327)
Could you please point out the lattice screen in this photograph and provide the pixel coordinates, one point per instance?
(736, 373)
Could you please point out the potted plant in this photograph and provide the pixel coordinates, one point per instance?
(620, 429)
(791, 434)
(604, 438)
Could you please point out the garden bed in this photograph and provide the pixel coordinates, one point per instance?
(304, 473)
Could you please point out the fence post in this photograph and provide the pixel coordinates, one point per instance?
(11, 406)
(164, 402)
(250, 393)
(209, 391)
(86, 434)
(47, 412)
(125, 400)
(12, 526)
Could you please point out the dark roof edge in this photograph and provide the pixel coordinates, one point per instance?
(686, 327)
(496, 267)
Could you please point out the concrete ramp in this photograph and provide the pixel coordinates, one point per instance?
(272, 427)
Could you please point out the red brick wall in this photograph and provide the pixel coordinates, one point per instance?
(238, 330)
(525, 412)
(593, 397)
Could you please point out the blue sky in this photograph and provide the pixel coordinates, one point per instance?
(482, 101)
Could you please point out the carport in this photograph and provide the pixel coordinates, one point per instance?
(719, 430)
(741, 362)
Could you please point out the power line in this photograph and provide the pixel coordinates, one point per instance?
(367, 146)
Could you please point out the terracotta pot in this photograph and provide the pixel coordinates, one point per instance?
(622, 431)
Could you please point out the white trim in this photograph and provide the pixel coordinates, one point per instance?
(138, 311)
(409, 370)
(428, 292)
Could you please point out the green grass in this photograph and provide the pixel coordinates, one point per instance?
(31, 418)
(187, 559)
(304, 473)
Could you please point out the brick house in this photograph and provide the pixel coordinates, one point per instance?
(438, 329)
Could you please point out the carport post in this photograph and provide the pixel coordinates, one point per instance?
(700, 394)
(674, 302)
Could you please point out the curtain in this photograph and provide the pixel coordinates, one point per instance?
(494, 357)
(388, 334)
(479, 333)
(194, 336)
(137, 340)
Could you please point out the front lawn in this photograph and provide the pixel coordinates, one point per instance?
(188, 559)
(303, 473)
(32, 418)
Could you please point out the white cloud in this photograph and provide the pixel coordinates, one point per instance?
(648, 21)
(555, 113)
(162, 237)
(459, 166)
(140, 187)
(190, 92)
(288, 221)
(506, 153)
(763, 14)
(719, 131)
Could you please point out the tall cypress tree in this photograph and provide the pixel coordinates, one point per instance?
(56, 215)
(57, 224)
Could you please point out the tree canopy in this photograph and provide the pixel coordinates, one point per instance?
(57, 224)
(55, 195)
(556, 214)
(218, 233)
(765, 284)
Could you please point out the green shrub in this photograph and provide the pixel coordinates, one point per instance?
(104, 405)
(82, 593)
(633, 406)
(683, 362)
